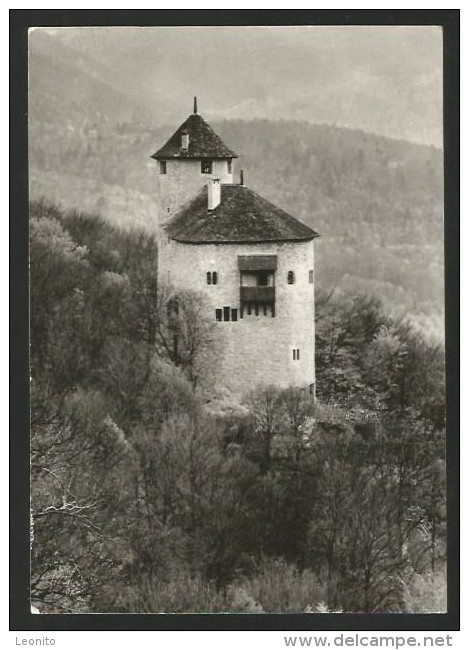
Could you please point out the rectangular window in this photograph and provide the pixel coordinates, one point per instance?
(311, 277)
(296, 354)
(226, 313)
(218, 314)
(162, 166)
(230, 166)
(234, 314)
(206, 166)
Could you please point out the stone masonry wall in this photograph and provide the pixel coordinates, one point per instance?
(182, 181)
(256, 349)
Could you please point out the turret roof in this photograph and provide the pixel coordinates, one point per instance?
(241, 216)
(203, 142)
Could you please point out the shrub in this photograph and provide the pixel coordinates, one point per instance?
(280, 587)
(239, 600)
(181, 595)
(426, 593)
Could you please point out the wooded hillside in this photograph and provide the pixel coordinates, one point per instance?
(378, 203)
(149, 495)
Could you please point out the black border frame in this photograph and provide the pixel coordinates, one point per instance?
(20, 21)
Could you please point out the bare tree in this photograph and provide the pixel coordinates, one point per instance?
(184, 334)
(265, 412)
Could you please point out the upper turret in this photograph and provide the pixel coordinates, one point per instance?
(191, 157)
(194, 139)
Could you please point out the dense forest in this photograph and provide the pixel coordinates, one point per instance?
(377, 203)
(150, 495)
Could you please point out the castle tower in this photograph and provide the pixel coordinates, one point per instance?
(253, 262)
(192, 155)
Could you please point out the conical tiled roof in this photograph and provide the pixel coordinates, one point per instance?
(241, 216)
(203, 142)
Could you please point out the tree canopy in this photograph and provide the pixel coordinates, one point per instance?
(148, 497)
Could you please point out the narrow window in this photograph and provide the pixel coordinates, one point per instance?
(311, 277)
(230, 166)
(206, 166)
(234, 314)
(209, 277)
(214, 277)
(162, 166)
(218, 314)
(296, 354)
(226, 313)
(290, 277)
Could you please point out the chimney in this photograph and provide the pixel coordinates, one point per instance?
(195, 105)
(213, 193)
(184, 141)
(241, 177)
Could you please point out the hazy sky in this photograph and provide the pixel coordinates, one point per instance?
(382, 79)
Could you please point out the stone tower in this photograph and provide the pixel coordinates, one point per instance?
(253, 261)
(193, 155)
